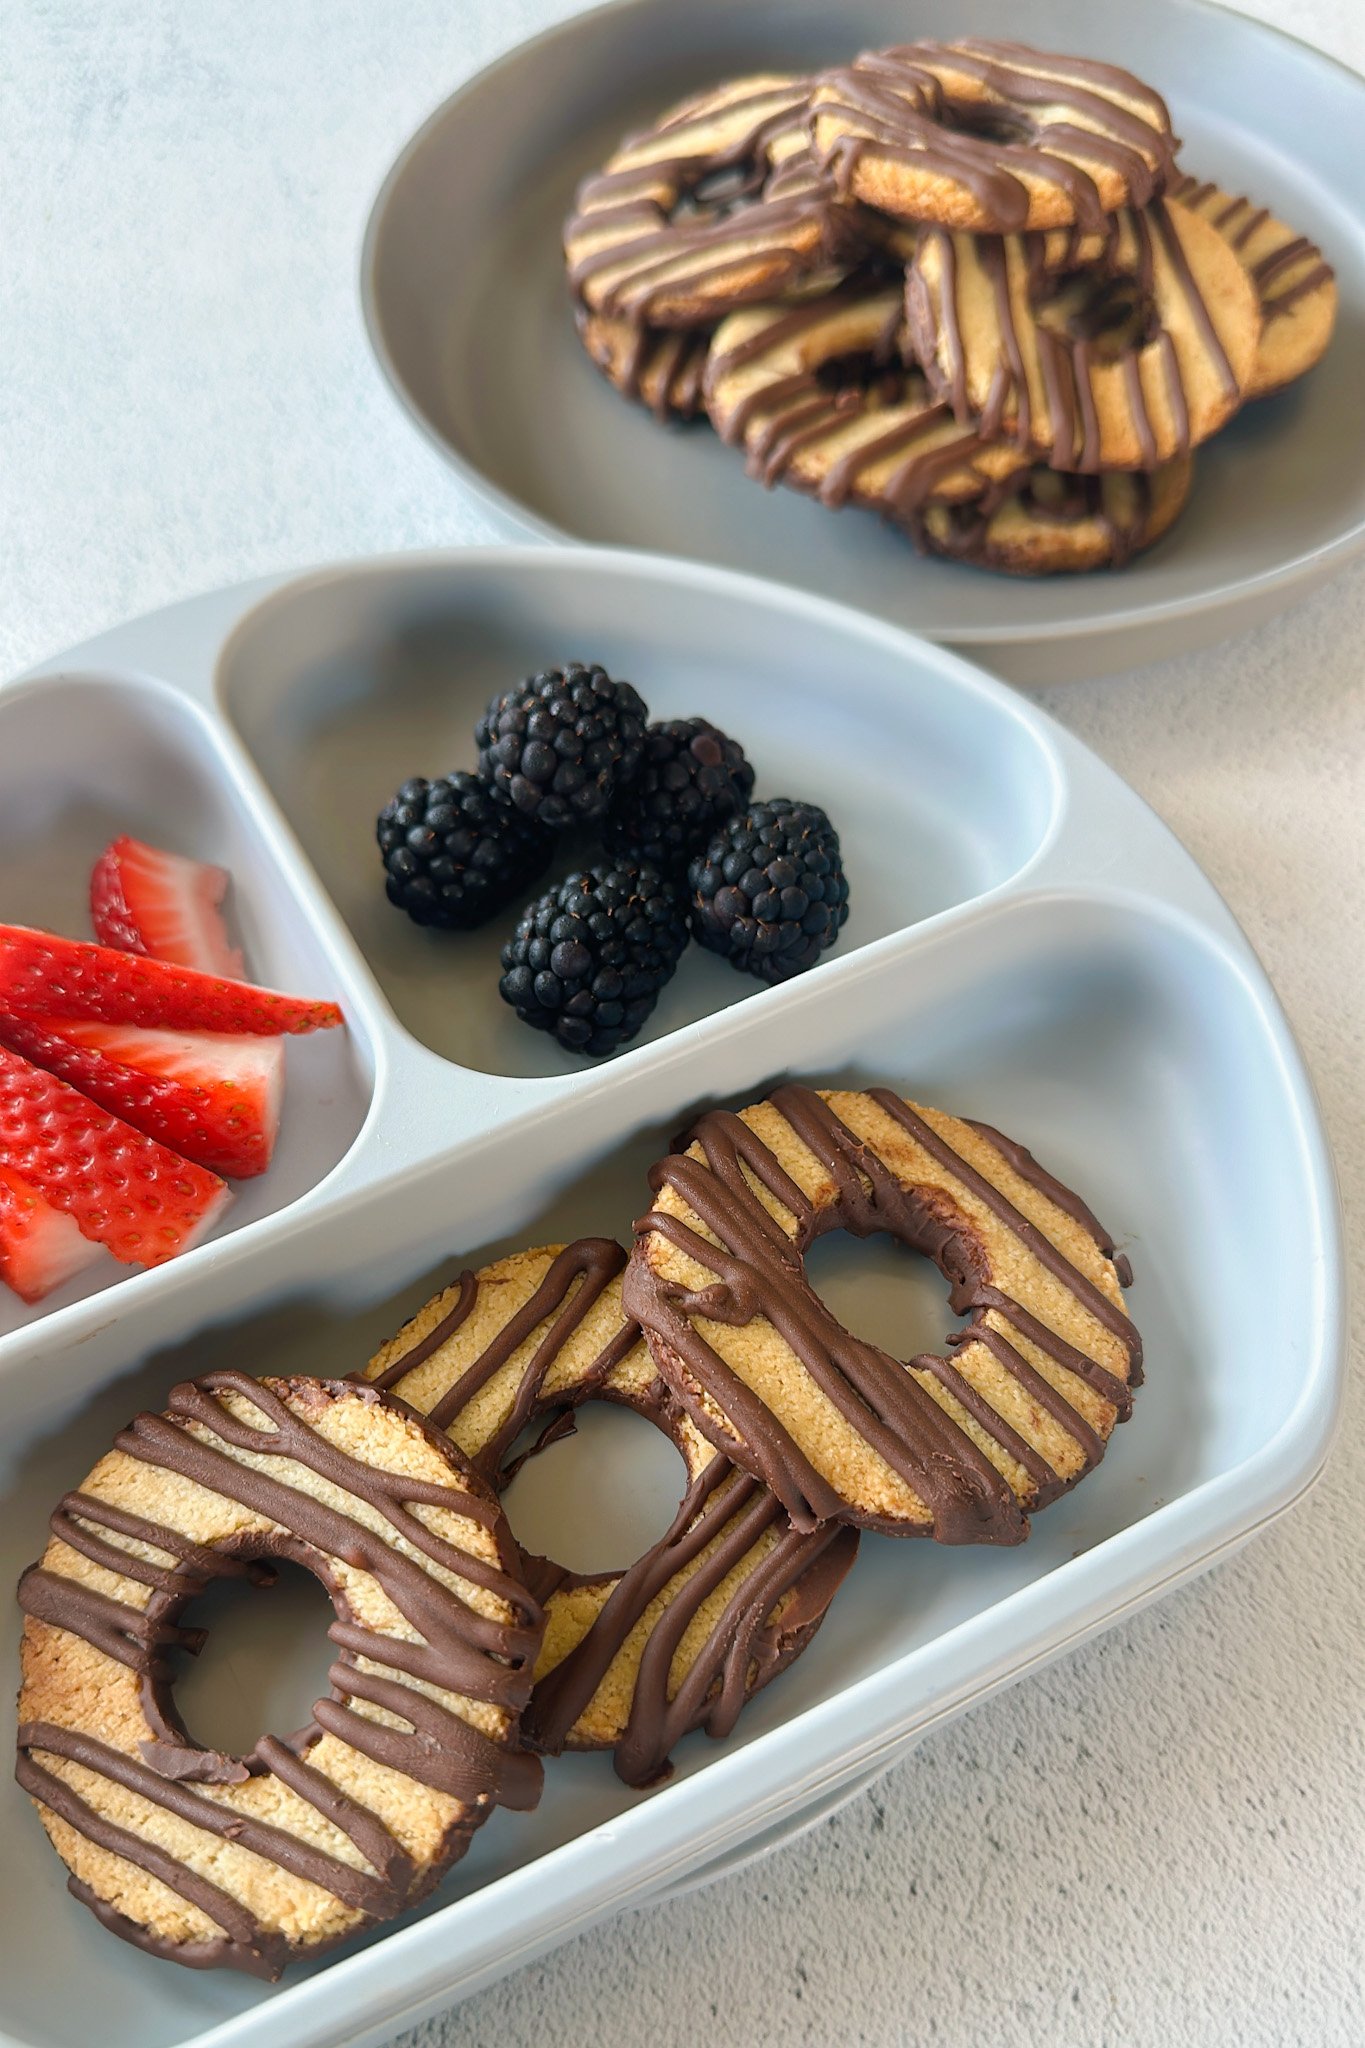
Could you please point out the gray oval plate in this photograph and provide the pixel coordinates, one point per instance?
(465, 301)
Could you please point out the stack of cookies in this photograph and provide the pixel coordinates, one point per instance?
(966, 285)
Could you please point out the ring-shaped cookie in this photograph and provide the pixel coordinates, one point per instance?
(251, 1862)
(820, 398)
(662, 368)
(958, 1449)
(1296, 286)
(723, 1601)
(991, 137)
(1046, 523)
(1123, 359)
(719, 203)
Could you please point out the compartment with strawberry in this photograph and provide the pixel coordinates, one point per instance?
(138, 1073)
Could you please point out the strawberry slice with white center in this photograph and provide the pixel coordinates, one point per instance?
(121, 1188)
(213, 1099)
(145, 900)
(44, 975)
(40, 1247)
(216, 1098)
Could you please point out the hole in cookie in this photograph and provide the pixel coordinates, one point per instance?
(719, 194)
(868, 378)
(1116, 315)
(1048, 494)
(595, 1500)
(1052, 495)
(985, 123)
(882, 1292)
(264, 1664)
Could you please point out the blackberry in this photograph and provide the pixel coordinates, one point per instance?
(587, 960)
(769, 891)
(692, 777)
(454, 855)
(561, 742)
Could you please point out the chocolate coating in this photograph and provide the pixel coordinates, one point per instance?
(1064, 113)
(866, 430)
(720, 202)
(457, 1651)
(1136, 322)
(759, 1272)
(772, 1612)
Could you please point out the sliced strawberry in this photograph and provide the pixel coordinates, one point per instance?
(213, 1099)
(40, 1248)
(43, 975)
(144, 900)
(123, 1189)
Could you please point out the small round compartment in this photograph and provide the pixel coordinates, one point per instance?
(345, 684)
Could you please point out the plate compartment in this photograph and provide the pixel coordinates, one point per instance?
(1075, 979)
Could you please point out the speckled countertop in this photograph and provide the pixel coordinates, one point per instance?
(1159, 1840)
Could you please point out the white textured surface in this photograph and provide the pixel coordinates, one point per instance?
(1160, 1840)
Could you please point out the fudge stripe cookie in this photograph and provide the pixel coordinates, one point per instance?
(1044, 522)
(725, 1599)
(991, 137)
(1120, 364)
(718, 203)
(663, 368)
(820, 398)
(250, 1862)
(1295, 285)
(484, 1419)
(958, 1448)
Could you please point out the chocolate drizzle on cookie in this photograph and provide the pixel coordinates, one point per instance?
(1127, 510)
(770, 1616)
(721, 201)
(1052, 121)
(726, 1524)
(1287, 270)
(759, 1273)
(387, 1699)
(757, 1260)
(664, 369)
(867, 412)
(1065, 363)
(575, 1281)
